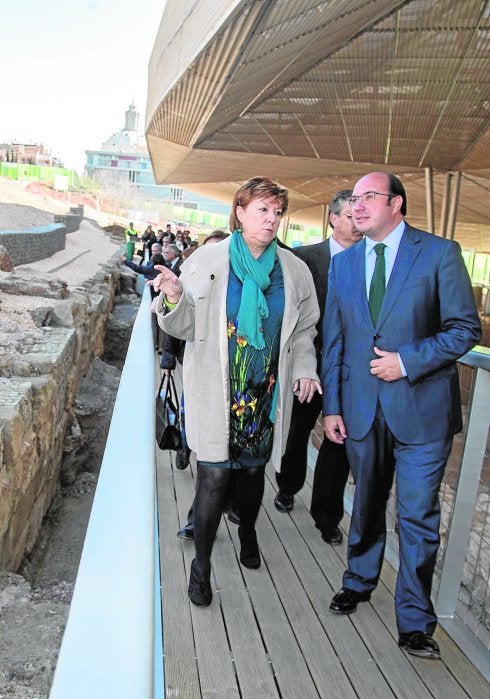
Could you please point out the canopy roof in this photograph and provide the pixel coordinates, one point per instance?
(316, 94)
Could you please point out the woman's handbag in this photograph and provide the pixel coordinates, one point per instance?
(167, 420)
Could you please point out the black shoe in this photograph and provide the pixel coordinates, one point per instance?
(333, 536)
(346, 601)
(249, 551)
(420, 644)
(182, 458)
(187, 532)
(232, 515)
(284, 502)
(199, 591)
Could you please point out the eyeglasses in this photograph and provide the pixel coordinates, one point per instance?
(368, 197)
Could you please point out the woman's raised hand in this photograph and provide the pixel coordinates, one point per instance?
(169, 283)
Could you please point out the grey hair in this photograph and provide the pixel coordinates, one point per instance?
(174, 249)
(338, 200)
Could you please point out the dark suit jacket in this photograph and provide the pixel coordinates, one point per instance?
(176, 268)
(428, 316)
(317, 257)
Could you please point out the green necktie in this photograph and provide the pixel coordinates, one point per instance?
(378, 282)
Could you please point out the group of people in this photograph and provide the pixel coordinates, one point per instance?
(181, 240)
(160, 248)
(365, 328)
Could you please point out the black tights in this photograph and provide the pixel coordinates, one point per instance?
(212, 483)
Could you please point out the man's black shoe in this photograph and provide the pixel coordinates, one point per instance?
(187, 532)
(284, 502)
(333, 536)
(232, 515)
(199, 591)
(346, 601)
(420, 644)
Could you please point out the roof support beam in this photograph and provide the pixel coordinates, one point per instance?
(445, 205)
(429, 198)
(451, 225)
(326, 215)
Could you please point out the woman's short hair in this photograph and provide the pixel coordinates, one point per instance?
(158, 259)
(257, 187)
(215, 235)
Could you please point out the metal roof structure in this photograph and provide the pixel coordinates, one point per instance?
(316, 94)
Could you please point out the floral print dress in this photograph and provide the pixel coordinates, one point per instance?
(253, 375)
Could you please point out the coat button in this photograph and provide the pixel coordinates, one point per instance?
(212, 276)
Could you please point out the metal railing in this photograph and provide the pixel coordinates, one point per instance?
(112, 646)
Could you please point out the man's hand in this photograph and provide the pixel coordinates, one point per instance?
(304, 389)
(387, 368)
(334, 428)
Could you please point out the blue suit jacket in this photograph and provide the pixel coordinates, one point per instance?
(428, 316)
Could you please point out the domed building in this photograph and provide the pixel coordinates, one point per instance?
(123, 158)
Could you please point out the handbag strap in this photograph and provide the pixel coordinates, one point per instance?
(170, 393)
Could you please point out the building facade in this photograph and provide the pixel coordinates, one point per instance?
(123, 158)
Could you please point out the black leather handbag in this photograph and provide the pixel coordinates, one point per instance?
(168, 429)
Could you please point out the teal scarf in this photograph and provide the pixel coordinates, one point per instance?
(254, 275)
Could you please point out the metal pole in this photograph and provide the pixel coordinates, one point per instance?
(445, 204)
(285, 231)
(429, 199)
(451, 225)
(326, 213)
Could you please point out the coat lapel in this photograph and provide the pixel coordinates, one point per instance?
(291, 312)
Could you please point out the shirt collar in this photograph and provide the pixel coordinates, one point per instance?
(335, 247)
(392, 240)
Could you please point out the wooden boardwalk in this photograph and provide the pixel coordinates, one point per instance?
(268, 632)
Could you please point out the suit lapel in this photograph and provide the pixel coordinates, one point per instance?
(359, 280)
(406, 256)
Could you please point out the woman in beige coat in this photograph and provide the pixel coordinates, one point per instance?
(247, 310)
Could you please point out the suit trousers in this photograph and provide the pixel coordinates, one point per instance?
(327, 496)
(331, 469)
(419, 468)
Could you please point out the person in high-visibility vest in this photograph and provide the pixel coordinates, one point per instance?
(131, 237)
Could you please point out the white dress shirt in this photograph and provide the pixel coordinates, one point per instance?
(335, 247)
(392, 242)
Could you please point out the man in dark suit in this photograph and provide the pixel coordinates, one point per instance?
(400, 313)
(173, 260)
(332, 469)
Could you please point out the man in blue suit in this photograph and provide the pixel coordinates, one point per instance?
(400, 312)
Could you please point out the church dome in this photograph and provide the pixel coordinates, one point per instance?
(129, 139)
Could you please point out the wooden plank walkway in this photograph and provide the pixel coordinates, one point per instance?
(268, 632)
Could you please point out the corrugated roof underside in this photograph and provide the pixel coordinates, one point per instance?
(319, 80)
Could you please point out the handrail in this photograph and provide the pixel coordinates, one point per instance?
(478, 357)
(108, 648)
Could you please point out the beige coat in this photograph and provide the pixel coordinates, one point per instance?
(200, 319)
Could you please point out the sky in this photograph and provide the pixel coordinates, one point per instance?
(71, 68)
